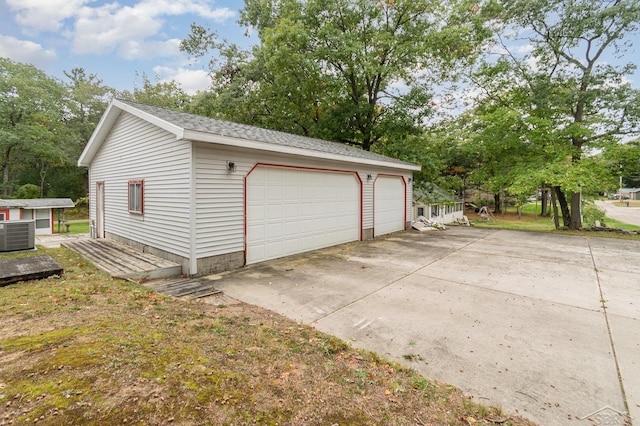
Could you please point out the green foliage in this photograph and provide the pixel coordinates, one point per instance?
(164, 94)
(623, 160)
(537, 125)
(28, 191)
(593, 213)
(44, 125)
(32, 131)
(359, 72)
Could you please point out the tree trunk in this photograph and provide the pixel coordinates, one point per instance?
(5, 172)
(564, 207)
(544, 196)
(576, 220)
(556, 219)
(496, 201)
(43, 174)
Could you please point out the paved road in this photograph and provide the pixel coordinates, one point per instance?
(513, 319)
(618, 211)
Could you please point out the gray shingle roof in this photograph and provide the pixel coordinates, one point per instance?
(10, 204)
(243, 131)
(38, 203)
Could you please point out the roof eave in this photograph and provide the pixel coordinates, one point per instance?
(197, 136)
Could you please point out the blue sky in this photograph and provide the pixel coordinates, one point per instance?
(120, 40)
(116, 40)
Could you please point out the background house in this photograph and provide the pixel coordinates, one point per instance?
(44, 211)
(214, 195)
(630, 193)
(436, 204)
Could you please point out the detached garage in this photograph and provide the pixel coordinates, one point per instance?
(215, 195)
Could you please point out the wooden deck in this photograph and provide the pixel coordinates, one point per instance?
(158, 274)
(122, 261)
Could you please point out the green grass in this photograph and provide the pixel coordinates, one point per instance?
(612, 223)
(74, 228)
(531, 220)
(528, 221)
(84, 348)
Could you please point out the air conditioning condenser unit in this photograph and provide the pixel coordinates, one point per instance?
(17, 235)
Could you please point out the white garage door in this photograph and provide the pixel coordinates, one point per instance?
(296, 210)
(389, 204)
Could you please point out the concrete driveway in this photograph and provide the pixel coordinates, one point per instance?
(618, 211)
(513, 319)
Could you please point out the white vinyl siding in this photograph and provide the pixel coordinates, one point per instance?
(136, 150)
(219, 202)
(367, 199)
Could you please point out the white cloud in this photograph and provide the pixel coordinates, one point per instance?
(182, 7)
(131, 49)
(26, 51)
(524, 49)
(190, 80)
(39, 15)
(105, 29)
(134, 31)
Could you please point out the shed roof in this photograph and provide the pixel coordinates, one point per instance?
(433, 194)
(204, 129)
(38, 203)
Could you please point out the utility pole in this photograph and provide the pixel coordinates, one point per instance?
(620, 191)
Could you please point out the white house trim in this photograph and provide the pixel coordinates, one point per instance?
(265, 146)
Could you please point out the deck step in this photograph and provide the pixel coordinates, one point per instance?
(122, 261)
(190, 288)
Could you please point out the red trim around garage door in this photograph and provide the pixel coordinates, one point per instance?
(404, 218)
(286, 166)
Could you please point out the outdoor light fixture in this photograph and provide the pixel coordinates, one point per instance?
(231, 166)
(369, 177)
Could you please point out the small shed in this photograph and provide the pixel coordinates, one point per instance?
(40, 210)
(436, 204)
(214, 195)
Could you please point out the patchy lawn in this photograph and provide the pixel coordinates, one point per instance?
(88, 349)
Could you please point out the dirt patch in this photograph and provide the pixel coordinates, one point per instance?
(84, 348)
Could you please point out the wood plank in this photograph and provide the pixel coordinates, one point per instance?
(120, 260)
(28, 268)
(194, 288)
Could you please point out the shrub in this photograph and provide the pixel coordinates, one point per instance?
(592, 213)
(28, 191)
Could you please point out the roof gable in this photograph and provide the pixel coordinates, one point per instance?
(204, 129)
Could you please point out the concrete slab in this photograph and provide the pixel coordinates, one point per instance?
(502, 349)
(620, 291)
(512, 274)
(513, 319)
(28, 268)
(626, 337)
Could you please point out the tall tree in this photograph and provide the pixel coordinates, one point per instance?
(87, 98)
(568, 82)
(31, 128)
(353, 71)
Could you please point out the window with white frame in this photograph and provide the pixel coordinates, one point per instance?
(136, 196)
